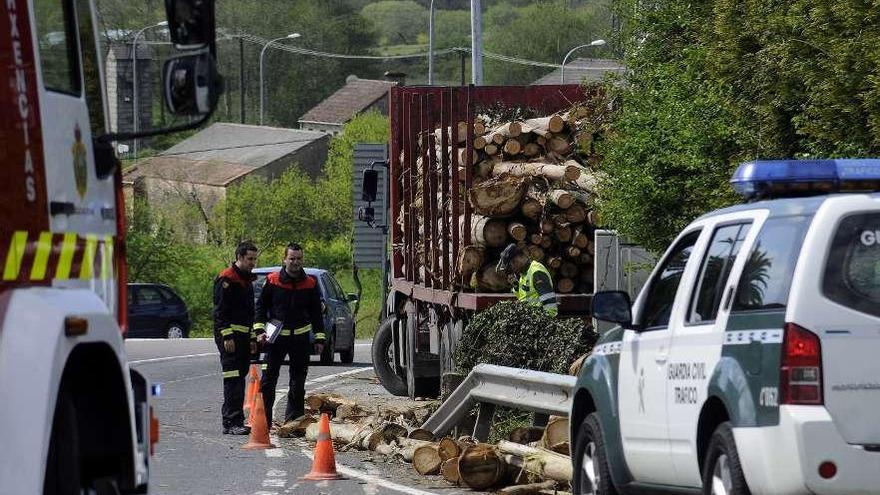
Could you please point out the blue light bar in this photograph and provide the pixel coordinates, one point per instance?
(791, 178)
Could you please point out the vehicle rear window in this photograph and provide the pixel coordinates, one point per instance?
(852, 274)
(766, 277)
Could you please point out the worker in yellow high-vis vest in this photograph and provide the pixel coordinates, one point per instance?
(534, 284)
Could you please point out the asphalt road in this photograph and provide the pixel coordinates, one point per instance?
(193, 457)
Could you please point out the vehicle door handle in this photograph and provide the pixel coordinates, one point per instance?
(661, 358)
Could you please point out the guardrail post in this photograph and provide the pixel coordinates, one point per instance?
(484, 421)
(541, 419)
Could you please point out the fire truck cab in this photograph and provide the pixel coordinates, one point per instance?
(75, 418)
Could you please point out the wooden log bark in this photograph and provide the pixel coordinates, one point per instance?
(483, 170)
(530, 489)
(531, 208)
(564, 285)
(541, 462)
(449, 471)
(547, 242)
(576, 213)
(535, 252)
(536, 238)
(563, 233)
(327, 402)
(480, 467)
(593, 218)
(489, 280)
(561, 198)
(448, 448)
(480, 142)
(426, 459)
(579, 237)
(491, 149)
(296, 428)
(562, 173)
(568, 269)
(547, 226)
(526, 434)
(512, 147)
(553, 123)
(532, 150)
(517, 231)
(487, 231)
(554, 262)
(559, 145)
(573, 252)
(387, 433)
(421, 434)
(555, 434)
(498, 196)
(586, 181)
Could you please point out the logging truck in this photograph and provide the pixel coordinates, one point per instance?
(470, 170)
(75, 417)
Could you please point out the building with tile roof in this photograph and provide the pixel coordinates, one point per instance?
(357, 96)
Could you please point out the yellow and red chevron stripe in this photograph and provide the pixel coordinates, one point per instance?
(40, 257)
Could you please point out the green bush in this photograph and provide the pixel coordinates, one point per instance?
(522, 335)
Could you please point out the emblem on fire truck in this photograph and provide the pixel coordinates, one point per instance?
(80, 162)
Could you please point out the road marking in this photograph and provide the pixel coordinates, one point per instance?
(327, 378)
(376, 480)
(188, 379)
(171, 358)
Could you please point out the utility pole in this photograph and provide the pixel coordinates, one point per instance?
(431, 45)
(476, 43)
(461, 53)
(241, 89)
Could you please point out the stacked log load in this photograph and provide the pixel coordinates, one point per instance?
(533, 183)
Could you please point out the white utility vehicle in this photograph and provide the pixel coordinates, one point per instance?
(750, 361)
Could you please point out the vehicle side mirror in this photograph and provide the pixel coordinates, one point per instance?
(370, 185)
(351, 297)
(613, 306)
(192, 84)
(190, 23)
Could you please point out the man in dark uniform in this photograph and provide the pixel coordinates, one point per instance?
(290, 299)
(233, 318)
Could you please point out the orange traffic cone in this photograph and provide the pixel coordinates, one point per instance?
(250, 394)
(324, 463)
(259, 431)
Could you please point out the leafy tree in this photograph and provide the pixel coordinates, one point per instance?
(713, 84)
(399, 21)
(542, 31)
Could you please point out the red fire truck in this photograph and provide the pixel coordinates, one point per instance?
(75, 418)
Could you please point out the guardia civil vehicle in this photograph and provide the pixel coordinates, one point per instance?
(750, 361)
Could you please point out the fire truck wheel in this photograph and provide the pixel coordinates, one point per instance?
(383, 361)
(62, 463)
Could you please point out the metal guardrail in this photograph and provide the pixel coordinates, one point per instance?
(489, 385)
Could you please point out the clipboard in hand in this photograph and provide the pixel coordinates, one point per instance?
(273, 329)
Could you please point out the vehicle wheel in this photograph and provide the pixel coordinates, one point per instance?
(175, 331)
(722, 472)
(591, 473)
(383, 360)
(62, 463)
(347, 357)
(329, 352)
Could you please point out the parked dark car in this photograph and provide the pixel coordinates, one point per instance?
(154, 310)
(338, 317)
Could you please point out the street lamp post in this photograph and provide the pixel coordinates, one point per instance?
(134, 81)
(262, 52)
(564, 60)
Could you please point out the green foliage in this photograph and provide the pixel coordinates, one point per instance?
(543, 31)
(522, 336)
(372, 299)
(716, 83)
(399, 21)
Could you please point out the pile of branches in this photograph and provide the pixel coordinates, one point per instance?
(521, 335)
